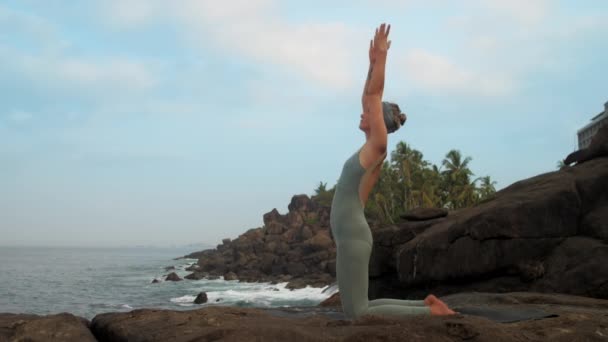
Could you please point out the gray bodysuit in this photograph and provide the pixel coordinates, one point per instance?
(354, 245)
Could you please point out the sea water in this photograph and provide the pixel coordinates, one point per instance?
(90, 281)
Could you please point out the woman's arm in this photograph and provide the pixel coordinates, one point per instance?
(378, 49)
(374, 88)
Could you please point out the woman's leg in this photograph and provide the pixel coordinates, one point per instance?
(389, 301)
(352, 267)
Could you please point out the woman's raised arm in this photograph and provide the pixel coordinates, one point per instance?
(374, 87)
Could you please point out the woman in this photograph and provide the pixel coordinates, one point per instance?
(359, 174)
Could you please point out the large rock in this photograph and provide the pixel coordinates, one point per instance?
(578, 319)
(201, 298)
(423, 214)
(230, 276)
(196, 275)
(62, 327)
(297, 244)
(546, 234)
(320, 242)
(173, 277)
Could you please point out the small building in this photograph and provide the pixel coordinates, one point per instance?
(586, 133)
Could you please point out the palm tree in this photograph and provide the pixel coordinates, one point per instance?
(410, 165)
(457, 177)
(324, 196)
(486, 189)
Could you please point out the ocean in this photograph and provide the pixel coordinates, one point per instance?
(90, 281)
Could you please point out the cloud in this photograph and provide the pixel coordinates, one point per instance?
(114, 71)
(79, 74)
(320, 52)
(30, 27)
(257, 31)
(524, 12)
(19, 117)
(130, 13)
(436, 73)
(54, 67)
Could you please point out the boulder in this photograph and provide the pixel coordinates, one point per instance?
(296, 269)
(285, 239)
(574, 319)
(423, 214)
(196, 275)
(62, 327)
(275, 228)
(193, 268)
(300, 203)
(272, 216)
(305, 233)
(294, 220)
(201, 298)
(543, 234)
(321, 241)
(173, 277)
(230, 276)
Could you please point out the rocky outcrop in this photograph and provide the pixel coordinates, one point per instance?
(62, 327)
(575, 319)
(173, 277)
(295, 247)
(547, 234)
(423, 214)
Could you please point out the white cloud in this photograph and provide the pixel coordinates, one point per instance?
(525, 12)
(438, 73)
(65, 72)
(255, 30)
(320, 52)
(19, 116)
(50, 64)
(25, 26)
(118, 72)
(130, 13)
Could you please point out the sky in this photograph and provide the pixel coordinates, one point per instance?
(131, 122)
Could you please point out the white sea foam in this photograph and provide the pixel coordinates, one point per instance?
(254, 294)
(184, 300)
(126, 306)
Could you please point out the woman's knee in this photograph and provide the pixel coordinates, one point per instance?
(355, 311)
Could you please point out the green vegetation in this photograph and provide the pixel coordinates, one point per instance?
(408, 181)
(324, 196)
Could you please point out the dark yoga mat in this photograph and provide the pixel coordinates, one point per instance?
(505, 315)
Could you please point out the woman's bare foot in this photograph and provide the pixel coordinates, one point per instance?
(438, 307)
(430, 299)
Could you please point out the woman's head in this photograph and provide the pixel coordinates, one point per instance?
(391, 113)
(393, 118)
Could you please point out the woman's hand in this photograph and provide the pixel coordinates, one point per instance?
(380, 44)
